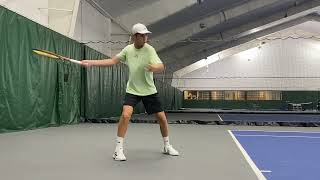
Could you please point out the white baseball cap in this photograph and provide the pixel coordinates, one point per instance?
(139, 28)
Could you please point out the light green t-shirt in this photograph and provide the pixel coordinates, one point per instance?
(140, 80)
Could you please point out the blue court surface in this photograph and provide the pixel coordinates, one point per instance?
(281, 155)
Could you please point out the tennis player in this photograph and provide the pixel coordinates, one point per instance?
(143, 61)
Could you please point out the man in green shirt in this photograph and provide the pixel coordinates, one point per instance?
(143, 61)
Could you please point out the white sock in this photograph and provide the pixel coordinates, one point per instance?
(119, 142)
(166, 141)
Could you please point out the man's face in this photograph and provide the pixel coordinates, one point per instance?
(140, 39)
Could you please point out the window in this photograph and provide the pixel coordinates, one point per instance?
(233, 95)
(204, 95)
(264, 95)
(217, 95)
(253, 95)
(190, 95)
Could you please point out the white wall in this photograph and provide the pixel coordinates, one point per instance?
(281, 58)
(91, 25)
(118, 35)
(54, 14)
(29, 9)
(61, 14)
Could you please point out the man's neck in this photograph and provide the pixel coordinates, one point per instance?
(137, 46)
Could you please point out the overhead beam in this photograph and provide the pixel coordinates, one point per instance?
(154, 12)
(191, 29)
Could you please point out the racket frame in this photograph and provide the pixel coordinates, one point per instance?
(57, 56)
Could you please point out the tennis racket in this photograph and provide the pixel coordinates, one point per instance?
(54, 56)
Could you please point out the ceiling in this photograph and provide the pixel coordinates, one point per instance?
(119, 7)
(198, 30)
(306, 28)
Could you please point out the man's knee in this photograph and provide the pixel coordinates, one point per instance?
(126, 116)
(127, 112)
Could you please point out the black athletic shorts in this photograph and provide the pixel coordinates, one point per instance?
(151, 102)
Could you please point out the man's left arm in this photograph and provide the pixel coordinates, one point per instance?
(156, 68)
(156, 64)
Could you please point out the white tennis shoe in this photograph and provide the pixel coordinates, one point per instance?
(118, 155)
(168, 149)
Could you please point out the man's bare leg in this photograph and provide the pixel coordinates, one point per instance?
(122, 129)
(124, 120)
(162, 119)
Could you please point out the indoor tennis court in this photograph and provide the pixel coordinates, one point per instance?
(159, 89)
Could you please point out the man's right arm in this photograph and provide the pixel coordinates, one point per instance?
(104, 62)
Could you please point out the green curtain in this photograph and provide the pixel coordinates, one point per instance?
(171, 97)
(35, 91)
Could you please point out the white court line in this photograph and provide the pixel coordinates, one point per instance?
(266, 171)
(220, 117)
(309, 137)
(247, 157)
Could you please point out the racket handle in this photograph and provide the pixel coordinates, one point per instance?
(75, 61)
